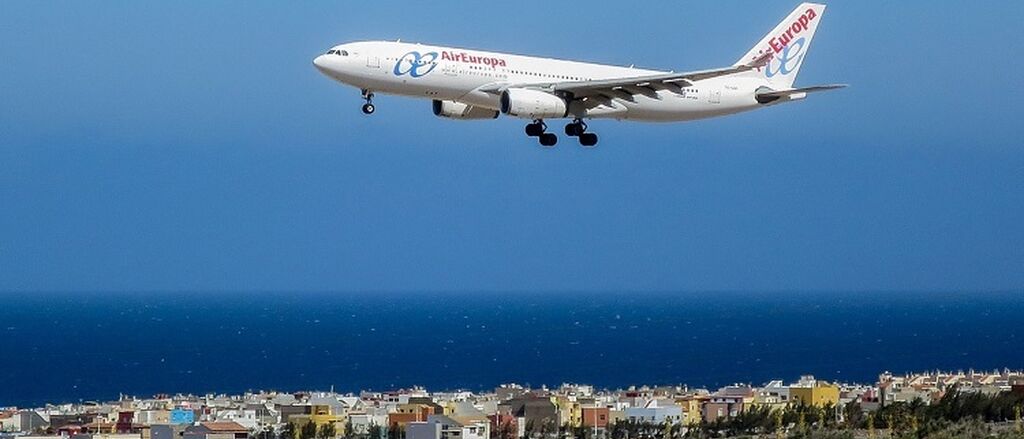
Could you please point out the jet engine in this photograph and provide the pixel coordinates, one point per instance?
(532, 104)
(458, 110)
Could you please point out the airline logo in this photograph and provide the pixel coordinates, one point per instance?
(788, 61)
(789, 46)
(473, 59)
(780, 42)
(416, 64)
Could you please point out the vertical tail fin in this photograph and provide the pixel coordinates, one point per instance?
(788, 43)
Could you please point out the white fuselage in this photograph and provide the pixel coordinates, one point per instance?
(453, 74)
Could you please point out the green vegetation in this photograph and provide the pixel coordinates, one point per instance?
(288, 431)
(396, 431)
(308, 431)
(956, 415)
(376, 431)
(327, 431)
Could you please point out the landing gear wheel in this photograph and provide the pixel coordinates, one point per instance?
(368, 108)
(548, 140)
(576, 128)
(534, 130)
(588, 140)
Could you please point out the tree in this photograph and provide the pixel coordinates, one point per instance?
(288, 431)
(530, 426)
(308, 430)
(350, 432)
(396, 432)
(327, 431)
(266, 432)
(503, 429)
(375, 431)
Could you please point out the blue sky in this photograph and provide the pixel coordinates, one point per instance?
(192, 146)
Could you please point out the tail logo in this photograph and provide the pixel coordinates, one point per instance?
(801, 24)
(789, 60)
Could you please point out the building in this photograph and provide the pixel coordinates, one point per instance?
(125, 422)
(362, 422)
(244, 417)
(774, 395)
(728, 402)
(595, 417)
(406, 413)
(167, 431)
(534, 413)
(445, 427)
(1017, 385)
(216, 430)
(180, 416)
(812, 392)
(692, 407)
(320, 415)
(9, 422)
(653, 413)
(24, 421)
(505, 426)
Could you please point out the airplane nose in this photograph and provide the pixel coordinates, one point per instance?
(321, 63)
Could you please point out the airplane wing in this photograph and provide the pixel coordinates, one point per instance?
(627, 87)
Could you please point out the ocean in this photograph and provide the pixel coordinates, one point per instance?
(69, 347)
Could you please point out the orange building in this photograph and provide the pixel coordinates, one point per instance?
(596, 417)
(407, 413)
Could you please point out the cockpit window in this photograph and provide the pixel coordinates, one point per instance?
(343, 52)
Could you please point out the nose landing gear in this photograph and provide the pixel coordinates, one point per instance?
(368, 107)
(578, 129)
(539, 129)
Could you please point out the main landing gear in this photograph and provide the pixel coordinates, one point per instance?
(368, 107)
(538, 129)
(576, 129)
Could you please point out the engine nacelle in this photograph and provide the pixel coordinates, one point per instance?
(532, 104)
(458, 110)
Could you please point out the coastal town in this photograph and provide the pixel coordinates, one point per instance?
(512, 411)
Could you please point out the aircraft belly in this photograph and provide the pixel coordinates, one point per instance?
(673, 107)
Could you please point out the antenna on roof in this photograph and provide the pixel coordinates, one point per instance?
(399, 40)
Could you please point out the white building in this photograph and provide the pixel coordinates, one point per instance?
(245, 418)
(444, 427)
(361, 422)
(652, 412)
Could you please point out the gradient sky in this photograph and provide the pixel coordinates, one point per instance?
(192, 146)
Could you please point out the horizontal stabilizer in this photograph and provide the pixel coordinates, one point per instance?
(768, 96)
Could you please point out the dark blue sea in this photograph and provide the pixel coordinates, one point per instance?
(70, 347)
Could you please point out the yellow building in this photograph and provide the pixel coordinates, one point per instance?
(569, 412)
(818, 394)
(321, 415)
(691, 406)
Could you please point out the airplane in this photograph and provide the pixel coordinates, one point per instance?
(470, 84)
